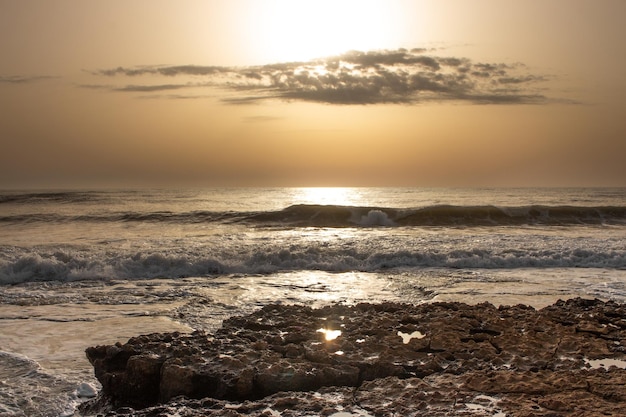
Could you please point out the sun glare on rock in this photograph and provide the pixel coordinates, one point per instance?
(406, 337)
(330, 334)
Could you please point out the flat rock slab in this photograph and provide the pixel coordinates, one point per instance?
(376, 360)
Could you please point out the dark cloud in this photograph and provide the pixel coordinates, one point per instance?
(390, 76)
(521, 79)
(19, 79)
(506, 98)
(387, 58)
(163, 70)
(242, 100)
(173, 97)
(150, 88)
(95, 86)
(454, 62)
(260, 119)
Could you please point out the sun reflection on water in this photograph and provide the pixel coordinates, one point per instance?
(339, 196)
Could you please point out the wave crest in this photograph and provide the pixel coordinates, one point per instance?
(311, 215)
(441, 215)
(72, 265)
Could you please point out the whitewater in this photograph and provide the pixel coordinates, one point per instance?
(80, 268)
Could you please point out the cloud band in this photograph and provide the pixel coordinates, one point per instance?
(390, 76)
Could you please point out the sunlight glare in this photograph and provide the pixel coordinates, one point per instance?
(330, 334)
(303, 30)
(337, 196)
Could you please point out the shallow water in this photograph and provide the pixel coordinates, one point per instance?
(53, 323)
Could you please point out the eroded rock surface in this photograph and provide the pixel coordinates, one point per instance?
(385, 359)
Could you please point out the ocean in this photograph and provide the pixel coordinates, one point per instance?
(81, 268)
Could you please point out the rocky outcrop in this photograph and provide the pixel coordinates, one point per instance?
(377, 359)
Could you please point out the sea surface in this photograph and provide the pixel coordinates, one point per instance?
(81, 268)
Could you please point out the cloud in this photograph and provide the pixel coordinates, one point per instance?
(521, 79)
(260, 119)
(19, 79)
(150, 88)
(173, 97)
(163, 70)
(147, 88)
(375, 77)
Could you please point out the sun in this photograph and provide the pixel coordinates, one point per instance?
(300, 30)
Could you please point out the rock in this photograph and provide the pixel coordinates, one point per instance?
(388, 359)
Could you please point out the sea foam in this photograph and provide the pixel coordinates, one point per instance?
(376, 218)
(319, 250)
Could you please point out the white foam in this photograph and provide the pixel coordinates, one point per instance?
(86, 390)
(333, 250)
(27, 389)
(376, 218)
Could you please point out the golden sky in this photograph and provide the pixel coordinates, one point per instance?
(312, 93)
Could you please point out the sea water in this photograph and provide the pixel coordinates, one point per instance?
(81, 268)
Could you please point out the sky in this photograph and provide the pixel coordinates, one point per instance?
(432, 93)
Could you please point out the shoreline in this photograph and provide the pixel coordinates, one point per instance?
(116, 310)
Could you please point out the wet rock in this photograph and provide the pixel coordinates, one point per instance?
(376, 359)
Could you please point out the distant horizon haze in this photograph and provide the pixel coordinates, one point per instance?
(244, 93)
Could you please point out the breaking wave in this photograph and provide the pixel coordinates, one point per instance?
(441, 215)
(27, 390)
(305, 215)
(25, 265)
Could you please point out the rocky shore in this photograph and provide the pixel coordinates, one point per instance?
(440, 359)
